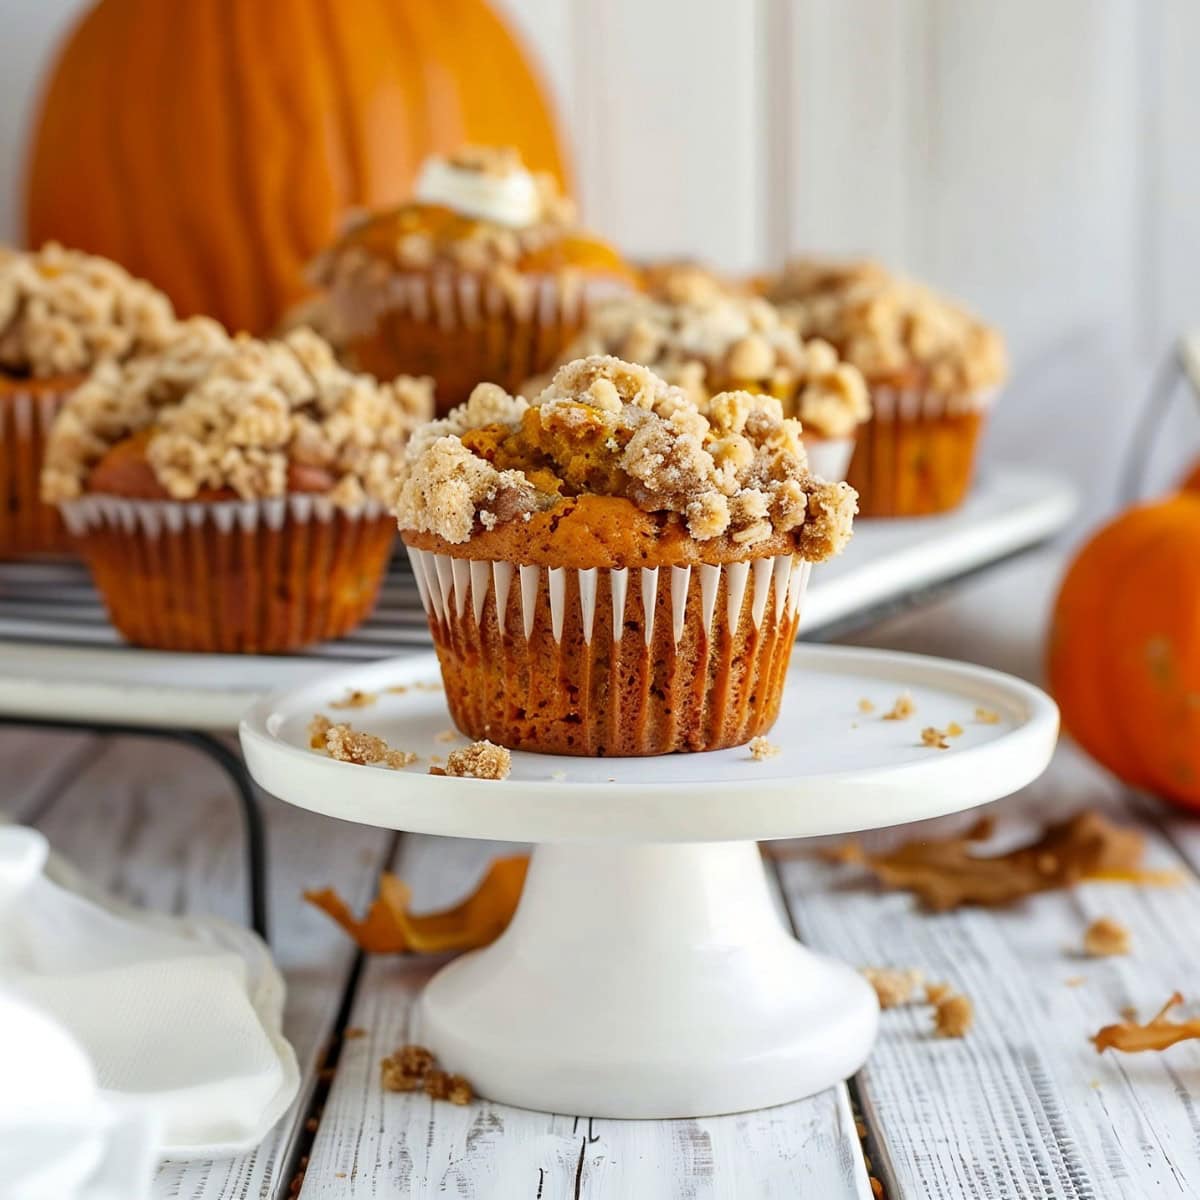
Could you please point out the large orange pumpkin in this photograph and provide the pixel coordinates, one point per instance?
(214, 146)
(1124, 654)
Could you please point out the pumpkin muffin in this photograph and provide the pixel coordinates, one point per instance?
(932, 369)
(611, 570)
(706, 339)
(230, 494)
(61, 313)
(484, 275)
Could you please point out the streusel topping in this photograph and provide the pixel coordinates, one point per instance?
(62, 311)
(886, 325)
(735, 467)
(235, 412)
(485, 213)
(708, 341)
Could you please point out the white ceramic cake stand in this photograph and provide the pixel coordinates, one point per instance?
(648, 972)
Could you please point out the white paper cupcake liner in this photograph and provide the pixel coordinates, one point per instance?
(154, 517)
(26, 524)
(453, 585)
(914, 404)
(829, 458)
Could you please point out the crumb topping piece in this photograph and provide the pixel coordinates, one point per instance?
(711, 340)
(237, 413)
(479, 760)
(761, 749)
(934, 738)
(953, 1016)
(903, 708)
(62, 312)
(412, 1068)
(1105, 937)
(347, 744)
(893, 986)
(886, 325)
(737, 467)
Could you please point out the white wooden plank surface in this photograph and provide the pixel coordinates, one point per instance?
(377, 1144)
(157, 826)
(1022, 1106)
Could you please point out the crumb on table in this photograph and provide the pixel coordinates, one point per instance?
(761, 749)
(1104, 937)
(935, 993)
(953, 1016)
(903, 708)
(893, 985)
(412, 1068)
(479, 760)
(866, 706)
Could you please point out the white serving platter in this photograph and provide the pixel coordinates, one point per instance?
(60, 659)
(646, 972)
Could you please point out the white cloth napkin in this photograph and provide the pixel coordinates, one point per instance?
(180, 1017)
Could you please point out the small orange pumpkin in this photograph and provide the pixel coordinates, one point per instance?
(1191, 481)
(1124, 653)
(214, 147)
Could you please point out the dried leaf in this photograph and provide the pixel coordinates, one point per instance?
(389, 928)
(947, 873)
(1157, 1034)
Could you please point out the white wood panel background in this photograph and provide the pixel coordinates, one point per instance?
(1039, 159)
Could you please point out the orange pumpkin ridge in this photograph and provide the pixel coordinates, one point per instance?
(1124, 656)
(215, 148)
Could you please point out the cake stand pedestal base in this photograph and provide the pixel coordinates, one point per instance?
(649, 981)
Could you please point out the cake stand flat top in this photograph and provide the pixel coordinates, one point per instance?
(838, 767)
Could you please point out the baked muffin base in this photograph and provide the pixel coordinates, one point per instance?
(612, 662)
(461, 329)
(254, 577)
(27, 410)
(916, 454)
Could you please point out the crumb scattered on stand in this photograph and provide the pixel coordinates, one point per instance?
(934, 738)
(866, 706)
(1157, 1034)
(1105, 937)
(448, 735)
(414, 1069)
(479, 760)
(954, 729)
(346, 744)
(987, 716)
(761, 749)
(902, 709)
(354, 699)
(399, 689)
(893, 985)
(953, 1016)
(1075, 981)
(558, 776)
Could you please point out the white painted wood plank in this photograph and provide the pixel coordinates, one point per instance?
(1023, 1106)
(372, 1143)
(668, 127)
(844, 123)
(156, 826)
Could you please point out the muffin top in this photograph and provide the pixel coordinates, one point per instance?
(477, 210)
(210, 417)
(684, 281)
(61, 312)
(894, 330)
(611, 466)
(709, 340)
